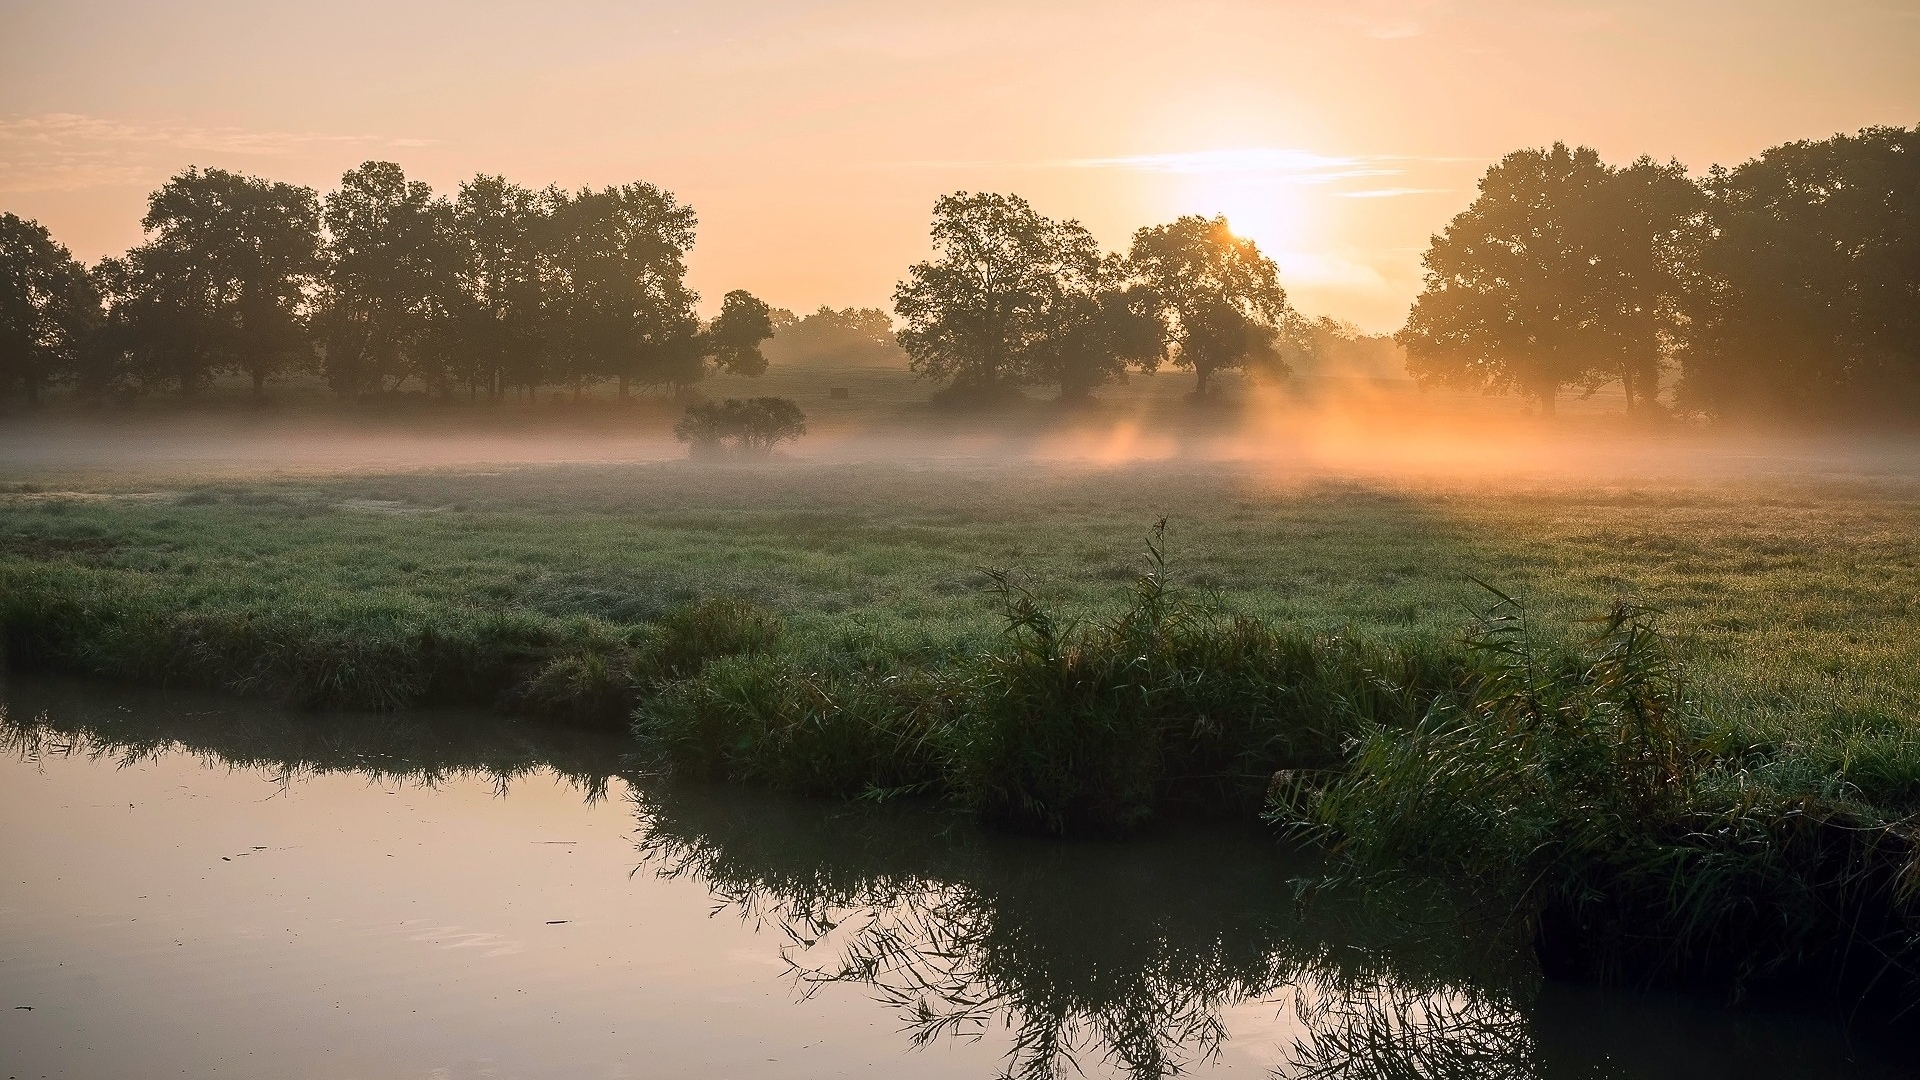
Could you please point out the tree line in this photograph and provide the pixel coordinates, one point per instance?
(1787, 286)
(381, 285)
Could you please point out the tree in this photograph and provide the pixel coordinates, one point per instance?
(733, 339)
(976, 312)
(1563, 272)
(844, 336)
(749, 428)
(622, 308)
(501, 230)
(234, 259)
(1650, 225)
(1221, 298)
(49, 309)
(1808, 299)
(1095, 329)
(392, 286)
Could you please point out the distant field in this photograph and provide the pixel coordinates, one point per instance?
(1797, 599)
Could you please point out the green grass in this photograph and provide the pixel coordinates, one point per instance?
(1794, 602)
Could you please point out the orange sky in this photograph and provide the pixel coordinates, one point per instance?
(812, 137)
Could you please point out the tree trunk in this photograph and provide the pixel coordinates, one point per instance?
(1203, 372)
(1547, 394)
(259, 385)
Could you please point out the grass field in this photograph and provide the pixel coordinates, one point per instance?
(1795, 600)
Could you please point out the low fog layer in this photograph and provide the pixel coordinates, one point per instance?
(1390, 436)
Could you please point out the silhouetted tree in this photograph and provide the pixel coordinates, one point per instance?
(621, 307)
(49, 309)
(501, 228)
(1563, 272)
(1095, 329)
(1809, 297)
(976, 311)
(239, 257)
(1651, 225)
(392, 285)
(733, 339)
(1221, 298)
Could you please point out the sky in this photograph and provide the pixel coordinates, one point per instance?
(812, 137)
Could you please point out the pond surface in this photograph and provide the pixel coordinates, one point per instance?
(197, 887)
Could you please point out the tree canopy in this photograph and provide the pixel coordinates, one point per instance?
(1808, 294)
(975, 313)
(392, 282)
(622, 308)
(1221, 299)
(1563, 272)
(1015, 298)
(49, 309)
(848, 336)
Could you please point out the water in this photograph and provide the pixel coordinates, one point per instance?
(195, 887)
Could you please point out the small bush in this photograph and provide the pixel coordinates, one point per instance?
(748, 428)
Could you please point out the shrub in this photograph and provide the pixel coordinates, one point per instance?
(740, 428)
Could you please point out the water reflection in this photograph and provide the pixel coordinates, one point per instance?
(1183, 952)
(1127, 957)
(60, 718)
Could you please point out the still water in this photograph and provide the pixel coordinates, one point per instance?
(197, 887)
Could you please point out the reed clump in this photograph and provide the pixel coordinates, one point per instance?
(1639, 842)
(1167, 707)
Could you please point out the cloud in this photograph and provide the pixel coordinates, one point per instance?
(66, 151)
(1283, 164)
(1389, 193)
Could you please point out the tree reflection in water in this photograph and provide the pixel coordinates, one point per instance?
(1117, 957)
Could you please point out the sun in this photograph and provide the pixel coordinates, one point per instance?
(1270, 210)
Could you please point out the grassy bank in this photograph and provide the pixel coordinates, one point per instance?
(841, 629)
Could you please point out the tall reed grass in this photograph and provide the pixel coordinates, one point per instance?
(1641, 843)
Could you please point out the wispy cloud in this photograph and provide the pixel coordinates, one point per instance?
(1248, 160)
(1277, 164)
(61, 151)
(1389, 193)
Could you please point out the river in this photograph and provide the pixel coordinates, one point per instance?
(201, 887)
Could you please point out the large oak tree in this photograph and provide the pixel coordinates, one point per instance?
(1221, 298)
(49, 309)
(1563, 272)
